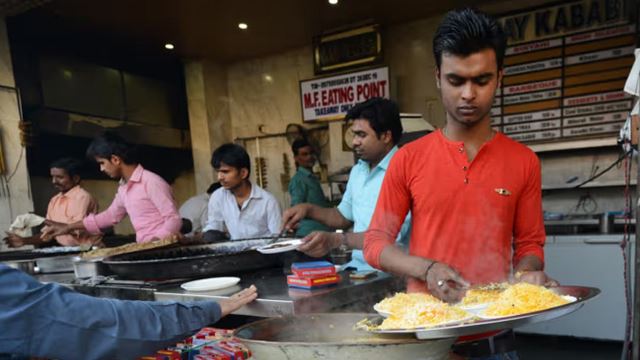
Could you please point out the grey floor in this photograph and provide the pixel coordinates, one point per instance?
(534, 347)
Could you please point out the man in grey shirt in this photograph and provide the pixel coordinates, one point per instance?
(243, 208)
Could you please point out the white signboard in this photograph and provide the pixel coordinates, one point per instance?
(331, 97)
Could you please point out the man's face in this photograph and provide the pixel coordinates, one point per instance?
(231, 177)
(305, 157)
(366, 143)
(61, 179)
(111, 166)
(468, 85)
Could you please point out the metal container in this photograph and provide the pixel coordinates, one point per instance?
(332, 336)
(28, 266)
(55, 264)
(91, 268)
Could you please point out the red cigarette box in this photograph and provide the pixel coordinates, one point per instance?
(310, 283)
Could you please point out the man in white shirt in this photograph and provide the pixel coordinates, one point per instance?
(243, 208)
(195, 209)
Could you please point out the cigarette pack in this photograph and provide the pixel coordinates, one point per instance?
(312, 283)
(313, 269)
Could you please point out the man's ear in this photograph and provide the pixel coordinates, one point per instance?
(500, 73)
(115, 159)
(244, 173)
(436, 73)
(75, 179)
(387, 137)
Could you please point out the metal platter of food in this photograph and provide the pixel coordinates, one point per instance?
(488, 308)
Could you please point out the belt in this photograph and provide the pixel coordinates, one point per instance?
(501, 343)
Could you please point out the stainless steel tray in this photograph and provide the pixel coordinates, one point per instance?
(478, 326)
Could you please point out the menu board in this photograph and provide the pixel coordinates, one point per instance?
(566, 85)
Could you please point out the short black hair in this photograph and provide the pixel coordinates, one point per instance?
(231, 154)
(298, 144)
(382, 114)
(466, 31)
(72, 166)
(109, 144)
(213, 187)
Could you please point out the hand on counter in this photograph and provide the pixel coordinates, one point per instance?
(319, 243)
(445, 283)
(238, 300)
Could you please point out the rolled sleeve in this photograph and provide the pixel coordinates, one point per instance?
(111, 216)
(529, 233)
(391, 212)
(162, 197)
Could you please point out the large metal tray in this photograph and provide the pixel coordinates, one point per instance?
(192, 261)
(478, 326)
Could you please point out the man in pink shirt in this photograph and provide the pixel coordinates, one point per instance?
(70, 205)
(142, 195)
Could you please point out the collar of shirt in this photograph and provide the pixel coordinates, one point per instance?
(136, 176)
(382, 165)
(304, 171)
(69, 192)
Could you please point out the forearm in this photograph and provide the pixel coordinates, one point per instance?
(96, 328)
(330, 217)
(352, 240)
(396, 261)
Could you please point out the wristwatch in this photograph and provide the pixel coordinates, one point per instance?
(343, 240)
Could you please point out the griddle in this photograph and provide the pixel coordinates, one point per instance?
(193, 261)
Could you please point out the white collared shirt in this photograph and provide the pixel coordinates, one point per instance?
(260, 214)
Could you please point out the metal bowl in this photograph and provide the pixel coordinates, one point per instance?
(332, 336)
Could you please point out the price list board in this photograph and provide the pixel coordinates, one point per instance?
(565, 87)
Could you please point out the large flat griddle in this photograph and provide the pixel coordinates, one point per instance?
(193, 261)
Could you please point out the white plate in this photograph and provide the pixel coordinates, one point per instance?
(215, 283)
(475, 308)
(280, 246)
(481, 314)
(381, 312)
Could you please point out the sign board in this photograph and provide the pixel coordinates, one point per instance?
(330, 98)
(564, 71)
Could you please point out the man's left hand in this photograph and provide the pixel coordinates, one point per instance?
(535, 278)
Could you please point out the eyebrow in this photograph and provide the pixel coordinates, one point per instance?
(481, 76)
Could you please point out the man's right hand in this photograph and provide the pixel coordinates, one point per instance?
(319, 243)
(53, 229)
(238, 300)
(445, 283)
(292, 216)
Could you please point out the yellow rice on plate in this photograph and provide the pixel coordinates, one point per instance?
(524, 298)
(424, 315)
(401, 301)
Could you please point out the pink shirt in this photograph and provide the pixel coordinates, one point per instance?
(71, 207)
(148, 200)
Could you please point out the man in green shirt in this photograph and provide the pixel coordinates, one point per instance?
(304, 187)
